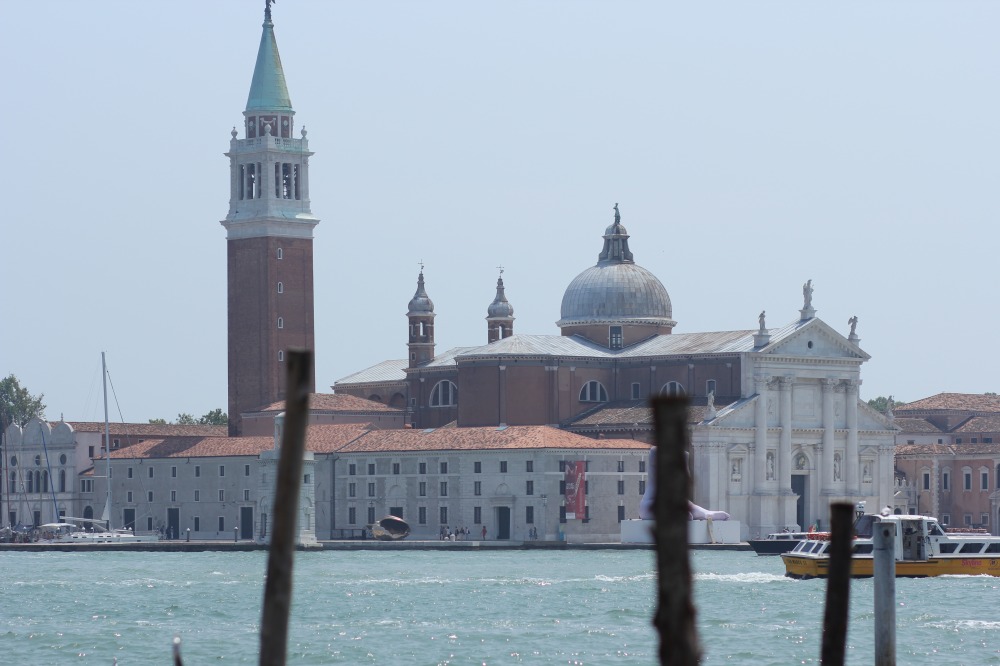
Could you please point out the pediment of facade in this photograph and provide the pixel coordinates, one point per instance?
(815, 339)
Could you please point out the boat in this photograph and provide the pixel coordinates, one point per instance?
(922, 549)
(779, 542)
(390, 528)
(87, 530)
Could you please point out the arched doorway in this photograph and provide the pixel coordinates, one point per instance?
(88, 512)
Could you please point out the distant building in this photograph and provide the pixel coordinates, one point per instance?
(328, 409)
(948, 452)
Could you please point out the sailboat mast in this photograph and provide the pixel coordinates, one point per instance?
(107, 437)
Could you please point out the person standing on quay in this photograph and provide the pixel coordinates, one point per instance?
(484, 532)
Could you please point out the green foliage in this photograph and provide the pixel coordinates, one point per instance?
(185, 419)
(884, 404)
(17, 405)
(992, 393)
(214, 417)
(158, 421)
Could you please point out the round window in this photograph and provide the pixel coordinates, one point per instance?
(13, 461)
(62, 459)
(38, 460)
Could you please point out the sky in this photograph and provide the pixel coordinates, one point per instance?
(750, 147)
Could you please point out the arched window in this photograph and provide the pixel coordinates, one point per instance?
(31, 483)
(672, 388)
(281, 355)
(444, 394)
(45, 481)
(62, 480)
(281, 253)
(281, 322)
(281, 287)
(88, 512)
(593, 391)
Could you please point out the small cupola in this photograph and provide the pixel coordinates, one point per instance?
(499, 315)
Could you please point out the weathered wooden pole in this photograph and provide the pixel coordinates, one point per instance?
(675, 613)
(838, 585)
(884, 555)
(278, 587)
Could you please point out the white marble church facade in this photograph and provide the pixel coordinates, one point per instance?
(801, 439)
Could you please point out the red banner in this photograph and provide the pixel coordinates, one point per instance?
(576, 496)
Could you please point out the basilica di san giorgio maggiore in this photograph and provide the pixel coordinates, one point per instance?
(482, 437)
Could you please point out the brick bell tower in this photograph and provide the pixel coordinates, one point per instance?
(269, 237)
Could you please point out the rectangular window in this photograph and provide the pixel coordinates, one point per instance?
(562, 514)
(529, 515)
(984, 481)
(352, 516)
(246, 470)
(130, 472)
(222, 524)
(946, 481)
(621, 465)
(422, 489)
(529, 466)
(529, 487)
(149, 496)
(642, 465)
(958, 440)
(642, 487)
(352, 469)
(197, 470)
(150, 471)
(621, 513)
(352, 490)
(422, 515)
(562, 487)
(222, 495)
(586, 513)
(444, 468)
(90, 452)
(129, 500)
(477, 467)
(197, 524)
(371, 490)
(615, 337)
(197, 496)
(967, 480)
(444, 515)
(149, 524)
(306, 479)
(946, 519)
(444, 489)
(477, 488)
(984, 519)
(974, 440)
(926, 480)
(371, 469)
(222, 470)
(173, 495)
(635, 391)
(987, 440)
(395, 468)
(968, 519)
(710, 386)
(246, 494)
(477, 515)
(173, 472)
(621, 486)
(562, 465)
(503, 466)
(423, 468)
(371, 515)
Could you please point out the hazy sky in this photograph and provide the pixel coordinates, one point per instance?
(751, 146)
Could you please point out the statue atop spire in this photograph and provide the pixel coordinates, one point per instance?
(618, 216)
(267, 10)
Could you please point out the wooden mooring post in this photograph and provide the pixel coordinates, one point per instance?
(838, 585)
(675, 613)
(884, 554)
(278, 588)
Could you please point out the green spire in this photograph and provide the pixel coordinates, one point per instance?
(268, 91)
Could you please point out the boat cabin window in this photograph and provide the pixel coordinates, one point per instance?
(864, 526)
(948, 548)
(863, 548)
(935, 530)
(993, 548)
(972, 547)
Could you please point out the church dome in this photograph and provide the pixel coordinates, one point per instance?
(500, 307)
(616, 290)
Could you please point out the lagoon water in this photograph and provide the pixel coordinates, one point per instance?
(432, 607)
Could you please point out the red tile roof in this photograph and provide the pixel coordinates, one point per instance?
(958, 450)
(974, 402)
(360, 438)
(915, 426)
(630, 413)
(335, 402)
(989, 423)
(145, 430)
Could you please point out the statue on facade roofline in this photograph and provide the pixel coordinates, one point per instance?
(853, 321)
(760, 318)
(807, 295)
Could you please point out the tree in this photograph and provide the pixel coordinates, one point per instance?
(185, 419)
(158, 421)
(214, 417)
(884, 404)
(17, 405)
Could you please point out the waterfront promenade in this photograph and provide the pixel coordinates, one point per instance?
(203, 545)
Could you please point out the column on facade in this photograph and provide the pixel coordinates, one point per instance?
(785, 443)
(502, 397)
(760, 436)
(852, 463)
(829, 429)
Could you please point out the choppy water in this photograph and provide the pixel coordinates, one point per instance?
(428, 607)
